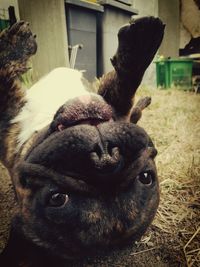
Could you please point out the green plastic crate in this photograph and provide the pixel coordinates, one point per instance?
(162, 73)
(174, 73)
(4, 24)
(180, 73)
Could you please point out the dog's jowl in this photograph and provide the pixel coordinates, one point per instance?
(83, 171)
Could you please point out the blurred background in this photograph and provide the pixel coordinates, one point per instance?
(83, 34)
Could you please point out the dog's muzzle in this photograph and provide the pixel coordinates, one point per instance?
(85, 141)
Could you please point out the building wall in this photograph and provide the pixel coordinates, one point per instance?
(112, 20)
(47, 20)
(169, 12)
(4, 4)
(190, 22)
(146, 8)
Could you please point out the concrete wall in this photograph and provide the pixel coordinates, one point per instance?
(146, 7)
(115, 15)
(4, 4)
(190, 21)
(47, 20)
(112, 20)
(169, 12)
(185, 36)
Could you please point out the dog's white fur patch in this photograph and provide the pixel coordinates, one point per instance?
(45, 97)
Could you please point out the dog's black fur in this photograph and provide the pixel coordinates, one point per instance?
(93, 184)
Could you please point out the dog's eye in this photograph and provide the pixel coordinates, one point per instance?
(58, 200)
(145, 178)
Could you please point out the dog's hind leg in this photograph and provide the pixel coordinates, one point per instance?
(137, 44)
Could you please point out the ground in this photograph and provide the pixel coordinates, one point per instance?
(173, 122)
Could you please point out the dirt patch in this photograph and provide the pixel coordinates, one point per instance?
(173, 122)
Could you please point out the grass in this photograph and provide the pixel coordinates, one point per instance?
(173, 122)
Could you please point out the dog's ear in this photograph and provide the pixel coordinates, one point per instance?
(138, 43)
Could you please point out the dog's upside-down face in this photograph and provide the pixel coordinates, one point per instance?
(84, 173)
(87, 180)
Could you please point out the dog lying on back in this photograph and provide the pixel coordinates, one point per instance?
(83, 171)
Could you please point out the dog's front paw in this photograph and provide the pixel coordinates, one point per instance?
(143, 102)
(138, 43)
(136, 112)
(17, 44)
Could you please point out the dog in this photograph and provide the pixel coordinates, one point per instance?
(82, 169)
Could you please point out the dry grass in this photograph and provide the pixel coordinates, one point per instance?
(173, 122)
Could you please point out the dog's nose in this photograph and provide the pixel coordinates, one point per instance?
(106, 159)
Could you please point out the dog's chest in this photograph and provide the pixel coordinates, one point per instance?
(45, 97)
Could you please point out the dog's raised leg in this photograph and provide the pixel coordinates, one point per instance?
(136, 111)
(137, 44)
(17, 44)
